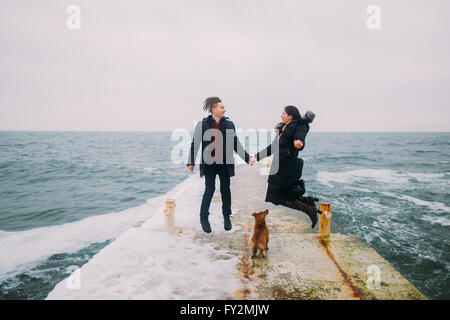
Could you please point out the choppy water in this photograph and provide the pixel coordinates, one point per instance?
(65, 195)
(391, 189)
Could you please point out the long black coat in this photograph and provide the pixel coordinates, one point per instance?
(228, 132)
(281, 181)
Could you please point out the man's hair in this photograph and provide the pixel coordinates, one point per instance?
(210, 102)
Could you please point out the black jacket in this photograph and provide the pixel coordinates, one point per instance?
(281, 181)
(228, 131)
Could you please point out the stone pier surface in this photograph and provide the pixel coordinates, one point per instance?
(148, 263)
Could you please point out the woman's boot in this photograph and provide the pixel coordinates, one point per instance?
(310, 201)
(311, 211)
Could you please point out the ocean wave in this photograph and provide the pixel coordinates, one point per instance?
(426, 176)
(439, 143)
(35, 283)
(343, 157)
(379, 175)
(443, 221)
(362, 189)
(6, 164)
(439, 206)
(22, 250)
(427, 151)
(433, 205)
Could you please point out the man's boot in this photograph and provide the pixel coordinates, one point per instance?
(226, 222)
(311, 211)
(205, 224)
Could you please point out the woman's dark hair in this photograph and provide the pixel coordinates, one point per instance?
(210, 102)
(292, 111)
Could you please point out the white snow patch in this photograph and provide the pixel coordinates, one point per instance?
(149, 263)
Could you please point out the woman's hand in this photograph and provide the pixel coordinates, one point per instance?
(191, 167)
(298, 144)
(252, 161)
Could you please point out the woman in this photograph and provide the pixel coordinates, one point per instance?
(284, 186)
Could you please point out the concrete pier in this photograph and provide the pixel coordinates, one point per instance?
(299, 264)
(147, 262)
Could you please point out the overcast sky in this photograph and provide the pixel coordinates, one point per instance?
(148, 65)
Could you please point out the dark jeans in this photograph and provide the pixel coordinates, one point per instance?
(210, 187)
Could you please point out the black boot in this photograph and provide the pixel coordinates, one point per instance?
(226, 222)
(308, 200)
(311, 211)
(311, 202)
(205, 224)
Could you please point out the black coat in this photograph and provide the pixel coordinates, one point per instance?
(228, 131)
(281, 181)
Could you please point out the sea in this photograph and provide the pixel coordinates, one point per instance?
(66, 195)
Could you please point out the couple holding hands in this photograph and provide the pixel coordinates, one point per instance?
(284, 184)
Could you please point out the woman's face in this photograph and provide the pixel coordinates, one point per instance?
(285, 118)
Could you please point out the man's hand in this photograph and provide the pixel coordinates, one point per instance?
(191, 167)
(252, 161)
(298, 144)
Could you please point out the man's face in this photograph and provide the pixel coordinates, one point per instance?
(218, 110)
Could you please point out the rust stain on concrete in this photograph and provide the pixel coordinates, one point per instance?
(355, 291)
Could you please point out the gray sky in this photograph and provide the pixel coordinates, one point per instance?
(148, 65)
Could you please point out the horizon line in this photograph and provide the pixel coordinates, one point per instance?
(164, 131)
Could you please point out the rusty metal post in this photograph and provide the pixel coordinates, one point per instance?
(324, 221)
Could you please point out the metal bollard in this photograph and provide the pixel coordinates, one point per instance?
(169, 211)
(324, 221)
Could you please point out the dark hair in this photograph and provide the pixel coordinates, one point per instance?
(210, 102)
(292, 111)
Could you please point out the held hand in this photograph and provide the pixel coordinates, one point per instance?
(252, 161)
(191, 167)
(298, 144)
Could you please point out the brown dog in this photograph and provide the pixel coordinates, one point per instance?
(260, 237)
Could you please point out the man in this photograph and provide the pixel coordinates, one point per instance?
(217, 135)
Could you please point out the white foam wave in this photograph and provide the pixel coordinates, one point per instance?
(433, 205)
(362, 189)
(24, 249)
(426, 176)
(443, 221)
(379, 175)
(439, 206)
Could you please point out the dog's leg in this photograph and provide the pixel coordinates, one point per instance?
(254, 252)
(261, 252)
